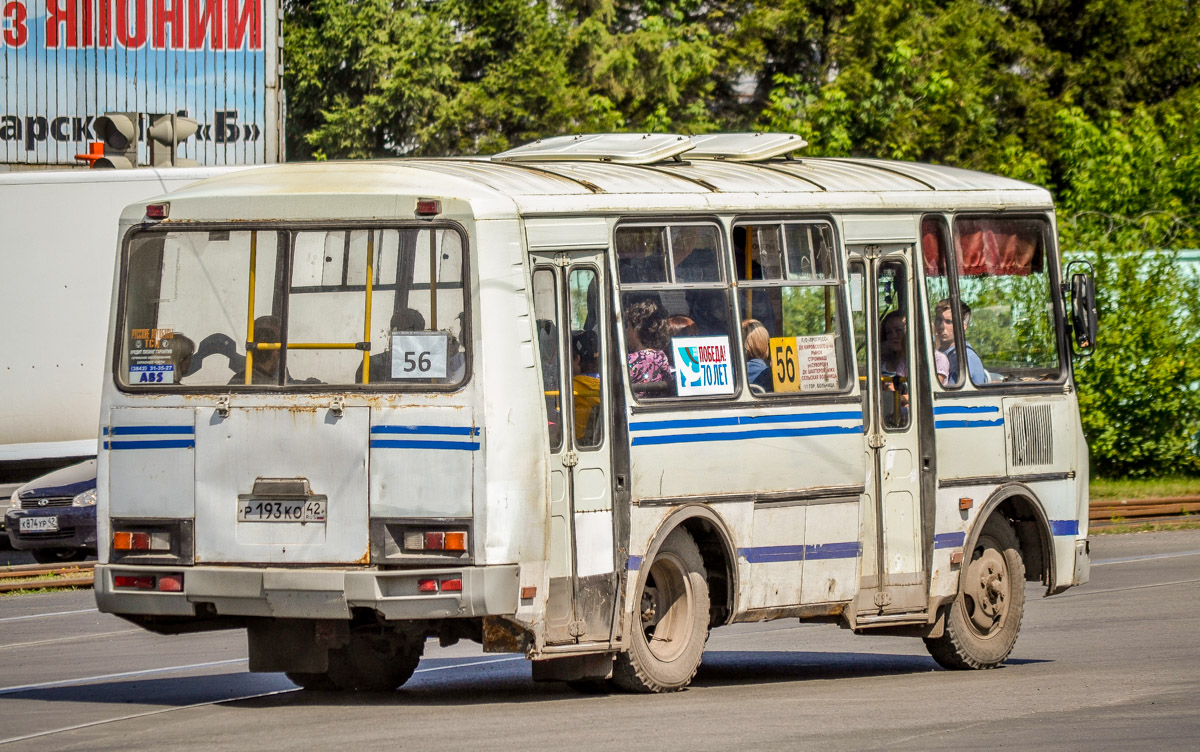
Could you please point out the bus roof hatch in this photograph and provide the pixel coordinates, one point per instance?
(620, 148)
(745, 147)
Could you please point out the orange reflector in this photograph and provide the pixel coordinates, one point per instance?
(452, 586)
(171, 583)
(123, 541)
(158, 211)
(956, 557)
(427, 586)
(528, 592)
(435, 541)
(129, 581)
(456, 541)
(966, 503)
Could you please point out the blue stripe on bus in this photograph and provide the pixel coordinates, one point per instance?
(743, 420)
(162, 444)
(813, 551)
(947, 409)
(967, 423)
(1064, 527)
(634, 563)
(949, 540)
(688, 438)
(149, 430)
(464, 446)
(428, 430)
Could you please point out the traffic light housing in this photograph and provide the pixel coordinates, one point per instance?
(118, 131)
(165, 134)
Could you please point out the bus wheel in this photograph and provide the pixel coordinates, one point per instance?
(374, 663)
(310, 681)
(983, 621)
(671, 625)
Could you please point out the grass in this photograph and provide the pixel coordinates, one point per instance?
(1142, 527)
(1104, 489)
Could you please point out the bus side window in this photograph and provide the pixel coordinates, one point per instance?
(545, 311)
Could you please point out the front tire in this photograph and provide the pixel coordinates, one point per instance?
(670, 626)
(983, 621)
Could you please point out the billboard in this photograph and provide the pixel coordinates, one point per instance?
(63, 63)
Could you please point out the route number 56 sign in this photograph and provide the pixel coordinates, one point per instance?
(419, 356)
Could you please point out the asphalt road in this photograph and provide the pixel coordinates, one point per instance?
(1110, 666)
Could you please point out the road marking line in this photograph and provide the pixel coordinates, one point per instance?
(55, 613)
(1147, 557)
(68, 639)
(122, 675)
(1118, 590)
(465, 665)
(51, 732)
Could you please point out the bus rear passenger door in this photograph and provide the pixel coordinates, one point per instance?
(570, 297)
(894, 578)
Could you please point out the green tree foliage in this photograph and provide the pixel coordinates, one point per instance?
(1099, 100)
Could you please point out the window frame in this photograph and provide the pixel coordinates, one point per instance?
(839, 281)
(1052, 261)
(286, 231)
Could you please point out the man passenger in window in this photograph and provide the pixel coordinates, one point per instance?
(403, 320)
(943, 339)
(266, 362)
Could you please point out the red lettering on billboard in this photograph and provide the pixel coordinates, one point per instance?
(160, 24)
(16, 32)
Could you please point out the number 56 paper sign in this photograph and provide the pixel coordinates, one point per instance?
(804, 364)
(418, 356)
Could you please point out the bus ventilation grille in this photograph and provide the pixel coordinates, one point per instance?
(1031, 435)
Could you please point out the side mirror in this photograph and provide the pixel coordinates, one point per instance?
(1084, 316)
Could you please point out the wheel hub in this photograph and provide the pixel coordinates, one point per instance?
(987, 589)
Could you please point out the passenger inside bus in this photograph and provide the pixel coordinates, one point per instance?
(647, 336)
(757, 352)
(893, 367)
(182, 349)
(585, 385)
(266, 362)
(944, 341)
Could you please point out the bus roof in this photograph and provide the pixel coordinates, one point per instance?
(498, 187)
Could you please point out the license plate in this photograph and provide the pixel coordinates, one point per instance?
(38, 524)
(284, 510)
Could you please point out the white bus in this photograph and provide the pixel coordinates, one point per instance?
(586, 399)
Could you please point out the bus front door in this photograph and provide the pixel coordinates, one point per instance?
(894, 579)
(570, 297)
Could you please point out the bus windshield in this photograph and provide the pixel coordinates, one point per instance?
(272, 307)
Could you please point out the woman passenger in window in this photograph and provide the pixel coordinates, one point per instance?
(758, 351)
(647, 335)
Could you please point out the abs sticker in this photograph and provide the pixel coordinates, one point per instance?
(152, 374)
(702, 365)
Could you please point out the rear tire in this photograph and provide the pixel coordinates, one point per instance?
(983, 621)
(373, 663)
(311, 682)
(58, 555)
(670, 625)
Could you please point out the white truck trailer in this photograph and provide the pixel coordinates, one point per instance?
(58, 231)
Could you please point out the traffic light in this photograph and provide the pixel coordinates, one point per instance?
(165, 134)
(118, 131)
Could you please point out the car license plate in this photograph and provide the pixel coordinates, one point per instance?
(38, 525)
(282, 510)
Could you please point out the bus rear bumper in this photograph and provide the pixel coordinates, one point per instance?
(209, 591)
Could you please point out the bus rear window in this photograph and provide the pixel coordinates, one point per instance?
(278, 308)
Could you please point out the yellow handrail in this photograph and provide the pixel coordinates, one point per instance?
(366, 364)
(250, 308)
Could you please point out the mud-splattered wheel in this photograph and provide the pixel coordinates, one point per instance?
(368, 663)
(670, 626)
(983, 621)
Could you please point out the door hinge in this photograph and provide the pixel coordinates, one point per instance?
(875, 441)
(562, 259)
(338, 406)
(223, 407)
(883, 599)
(576, 628)
(872, 251)
(570, 459)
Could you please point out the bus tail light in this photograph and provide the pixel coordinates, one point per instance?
(135, 582)
(125, 540)
(427, 586)
(170, 583)
(452, 586)
(435, 540)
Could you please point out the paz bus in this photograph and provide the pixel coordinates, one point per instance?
(586, 399)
